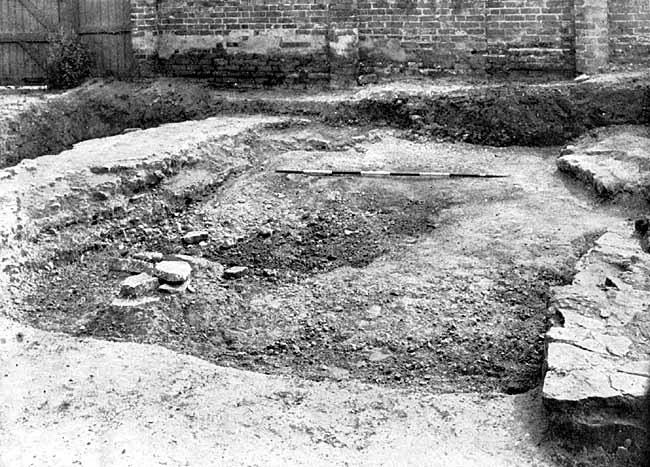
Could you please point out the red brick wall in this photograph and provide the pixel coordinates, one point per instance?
(294, 41)
(629, 31)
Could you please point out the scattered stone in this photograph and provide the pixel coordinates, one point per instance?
(133, 266)
(378, 356)
(174, 272)
(175, 289)
(195, 236)
(235, 272)
(149, 256)
(139, 285)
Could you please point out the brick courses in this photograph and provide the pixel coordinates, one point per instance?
(264, 42)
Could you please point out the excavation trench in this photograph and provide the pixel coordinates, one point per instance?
(439, 285)
(491, 113)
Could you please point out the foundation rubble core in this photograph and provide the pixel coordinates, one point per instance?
(597, 367)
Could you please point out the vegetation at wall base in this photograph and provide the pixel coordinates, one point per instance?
(69, 61)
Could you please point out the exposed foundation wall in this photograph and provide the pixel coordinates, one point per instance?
(264, 42)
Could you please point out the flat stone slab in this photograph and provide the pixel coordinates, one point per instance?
(597, 367)
(174, 272)
(615, 161)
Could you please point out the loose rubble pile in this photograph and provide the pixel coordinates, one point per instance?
(152, 273)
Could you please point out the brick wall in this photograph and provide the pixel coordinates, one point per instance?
(629, 31)
(421, 35)
(304, 41)
(533, 35)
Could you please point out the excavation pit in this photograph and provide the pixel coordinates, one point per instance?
(435, 284)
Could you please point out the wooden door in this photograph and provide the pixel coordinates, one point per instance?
(105, 26)
(26, 25)
(24, 29)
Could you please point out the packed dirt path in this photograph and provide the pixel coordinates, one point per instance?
(389, 315)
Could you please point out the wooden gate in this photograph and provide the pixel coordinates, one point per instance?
(26, 25)
(105, 26)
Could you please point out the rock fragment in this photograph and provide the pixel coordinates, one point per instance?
(235, 272)
(196, 236)
(136, 286)
(174, 272)
(174, 288)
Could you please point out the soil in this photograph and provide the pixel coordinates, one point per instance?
(434, 284)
